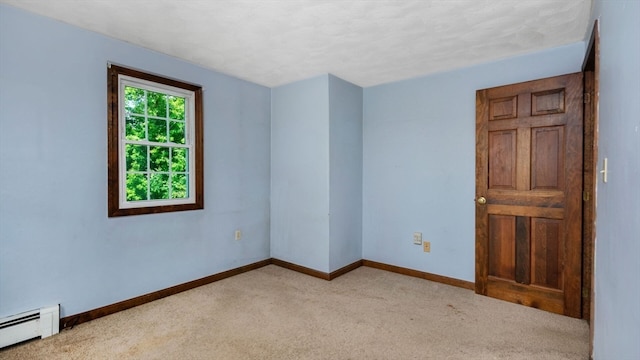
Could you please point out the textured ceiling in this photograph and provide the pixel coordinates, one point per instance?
(274, 42)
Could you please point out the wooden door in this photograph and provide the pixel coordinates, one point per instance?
(529, 193)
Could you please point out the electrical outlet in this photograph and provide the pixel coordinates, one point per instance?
(238, 234)
(417, 238)
(426, 246)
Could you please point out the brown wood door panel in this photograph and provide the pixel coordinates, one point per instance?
(502, 158)
(528, 167)
(547, 158)
(502, 252)
(547, 244)
(503, 108)
(548, 102)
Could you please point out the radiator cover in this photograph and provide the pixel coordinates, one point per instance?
(41, 323)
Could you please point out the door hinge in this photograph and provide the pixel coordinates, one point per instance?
(586, 196)
(585, 292)
(587, 98)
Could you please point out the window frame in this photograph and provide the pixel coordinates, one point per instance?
(117, 206)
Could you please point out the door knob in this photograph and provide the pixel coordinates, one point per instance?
(482, 200)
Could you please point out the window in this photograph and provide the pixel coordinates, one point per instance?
(154, 144)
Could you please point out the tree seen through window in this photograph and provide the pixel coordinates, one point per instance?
(154, 170)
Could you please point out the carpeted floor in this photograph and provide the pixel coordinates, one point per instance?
(275, 313)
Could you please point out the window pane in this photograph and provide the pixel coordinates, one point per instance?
(179, 186)
(159, 158)
(176, 108)
(135, 128)
(133, 100)
(136, 157)
(158, 130)
(136, 187)
(179, 158)
(156, 104)
(176, 132)
(159, 186)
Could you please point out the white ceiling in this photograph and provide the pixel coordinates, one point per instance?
(367, 42)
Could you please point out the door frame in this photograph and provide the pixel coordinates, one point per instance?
(591, 70)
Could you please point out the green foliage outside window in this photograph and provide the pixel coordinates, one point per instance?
(157, 167)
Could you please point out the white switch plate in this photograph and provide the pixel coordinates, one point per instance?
(605, 170)
(417, 238)
(238, 234)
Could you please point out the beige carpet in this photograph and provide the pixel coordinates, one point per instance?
(274, 313)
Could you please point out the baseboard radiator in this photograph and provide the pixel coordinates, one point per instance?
(28, 325)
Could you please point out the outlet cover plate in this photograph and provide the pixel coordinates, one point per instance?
(417, 238)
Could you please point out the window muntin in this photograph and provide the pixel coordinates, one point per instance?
(158, 140)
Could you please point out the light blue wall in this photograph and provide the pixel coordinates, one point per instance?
(345, 178)
(300, 173)
(617, 266)
(56, 243)
(419, 160)
(316, 173)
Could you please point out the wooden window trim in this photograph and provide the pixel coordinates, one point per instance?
(113, 144)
